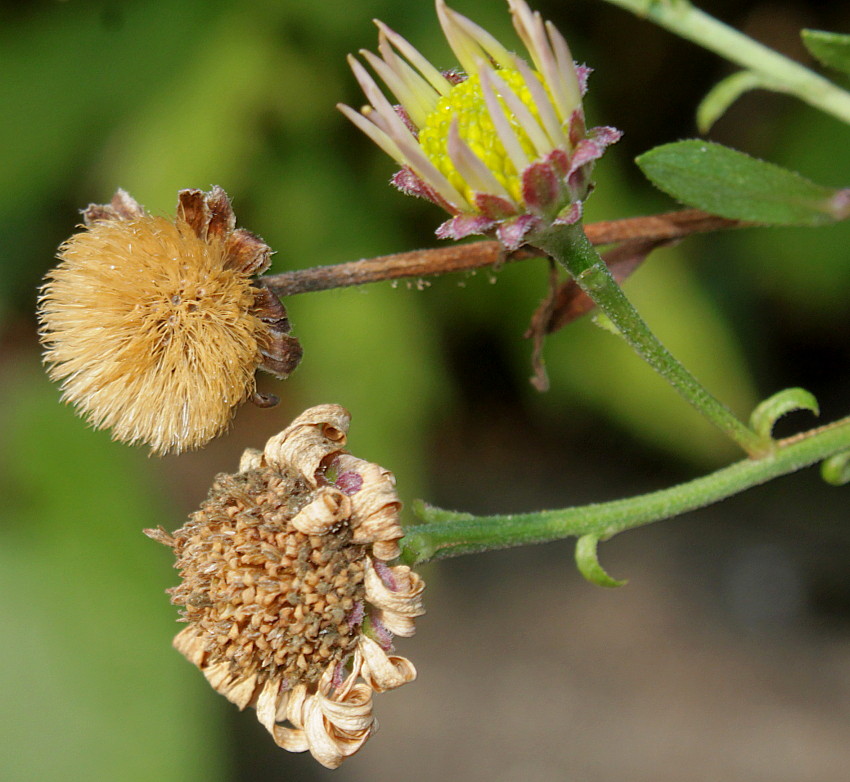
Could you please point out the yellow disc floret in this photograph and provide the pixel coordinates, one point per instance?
(476, 128)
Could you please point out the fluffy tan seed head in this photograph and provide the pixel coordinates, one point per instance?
(154, 327)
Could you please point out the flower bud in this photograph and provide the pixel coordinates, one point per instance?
(501, 145)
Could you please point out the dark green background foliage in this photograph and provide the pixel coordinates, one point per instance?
(159, 95)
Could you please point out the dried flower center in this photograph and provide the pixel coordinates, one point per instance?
(190, 290)
(269, 599)
(466, 102)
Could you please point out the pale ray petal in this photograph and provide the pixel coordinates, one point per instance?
(374, 132)
(436, 79)
(529, 27)
(387, 120)
(543, 102)
(415, 159)
(467, 50)
(532, 31)
(417, 109)
(523, 115)
(432, 176)
(383, 108)
(567, 78)
(405, 83)
(421, 87)
(478, 36)
(471, 167)
(503, 127)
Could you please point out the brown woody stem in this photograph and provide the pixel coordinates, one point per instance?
(478, 255)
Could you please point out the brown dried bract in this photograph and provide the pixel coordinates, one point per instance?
(211, 217)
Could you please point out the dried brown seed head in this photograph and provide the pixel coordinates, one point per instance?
(289, 602)
(267, 597)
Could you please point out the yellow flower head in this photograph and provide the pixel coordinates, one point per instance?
(154, 326)
(502, 147)
(290, 603)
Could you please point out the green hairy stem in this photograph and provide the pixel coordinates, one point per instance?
(774, 70)
(569, 246)
(452, 534)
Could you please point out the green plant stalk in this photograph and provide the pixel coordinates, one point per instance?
(570, 247)
(775, 70)
(453, 534)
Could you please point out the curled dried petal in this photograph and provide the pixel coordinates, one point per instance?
(252, 459)
(324, 745)
(191, 645)
(376, 505)
(352, 714)
(399, 605)
(329, 507)
(290, 739)
(382, 671)
(309, 440)
(269, 702)
(338, 725)
(385, 550)
(332, 420)
(232, 685)
(331, 724)
(295, 705)
(242, 692)
(397, 624)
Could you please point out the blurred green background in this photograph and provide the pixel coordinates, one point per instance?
(727, 654)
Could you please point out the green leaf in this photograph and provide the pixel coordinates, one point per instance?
(588, 563)
(731, 184)
(766, 415)
(722, 95)
(832, 49)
